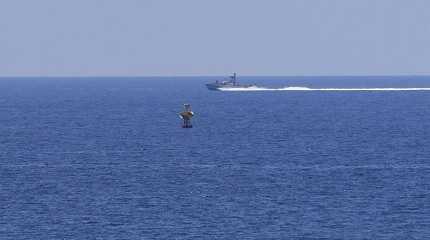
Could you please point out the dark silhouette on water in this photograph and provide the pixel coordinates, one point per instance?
(231, 83)
(186, 116)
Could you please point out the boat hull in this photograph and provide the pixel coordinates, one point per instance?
(220, 87)
(213, 87)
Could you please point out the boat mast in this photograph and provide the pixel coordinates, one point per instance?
(234, 79)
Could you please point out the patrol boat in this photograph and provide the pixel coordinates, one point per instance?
(231, 83)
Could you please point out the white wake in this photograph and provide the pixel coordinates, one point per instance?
(320, 89)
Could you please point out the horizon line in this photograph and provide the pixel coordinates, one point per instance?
(195, 76)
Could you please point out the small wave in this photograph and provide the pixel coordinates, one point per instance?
(320, 168)
(250, 89)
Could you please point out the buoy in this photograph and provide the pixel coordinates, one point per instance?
(186, 116)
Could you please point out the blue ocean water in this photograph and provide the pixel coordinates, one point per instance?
(106, 158)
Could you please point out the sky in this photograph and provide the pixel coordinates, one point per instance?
(214, 37)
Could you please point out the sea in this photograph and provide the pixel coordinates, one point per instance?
(342, 157)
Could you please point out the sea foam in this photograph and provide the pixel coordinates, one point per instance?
(249, 89)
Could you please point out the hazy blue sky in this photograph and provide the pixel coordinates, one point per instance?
(214, 37)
